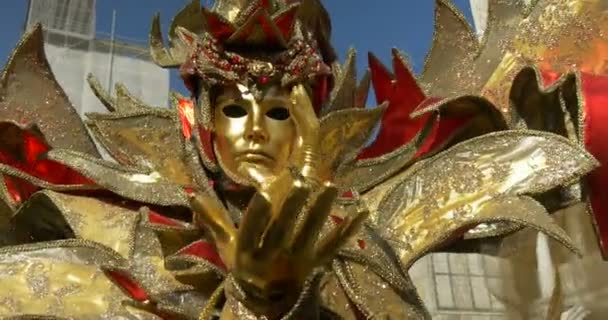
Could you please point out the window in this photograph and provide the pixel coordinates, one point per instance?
(461, 283)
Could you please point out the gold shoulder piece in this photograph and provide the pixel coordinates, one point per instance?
(437, 197)
(145, 138)
(30, 93)
(56, 279)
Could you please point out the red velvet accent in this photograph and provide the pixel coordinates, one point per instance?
(286, 21)
(128, 284)
(348, 194)
(19, 189)
(185, 109)
(266, 25)
(157, 218)
(595, 95)
(28, 156)
(404, 95)
(204, 250)
(218, 28)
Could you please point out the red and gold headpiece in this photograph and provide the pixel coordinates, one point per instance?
(252, 42)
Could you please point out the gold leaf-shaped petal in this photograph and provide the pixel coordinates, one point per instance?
(343, 94)
(30, 94)
(448, 69)
(341, 143)
(363, 90)
(417, 234)
(149, 138)
(477, 170)
(139, 184)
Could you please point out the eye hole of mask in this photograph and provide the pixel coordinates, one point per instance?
(234, 111)
(278, 113)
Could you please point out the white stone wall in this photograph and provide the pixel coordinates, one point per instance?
(142, 77)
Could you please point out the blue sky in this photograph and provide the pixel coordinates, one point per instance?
(366, 25)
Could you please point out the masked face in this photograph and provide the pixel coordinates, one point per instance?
(253, 138)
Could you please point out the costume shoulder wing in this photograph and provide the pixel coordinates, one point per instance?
(488, 179)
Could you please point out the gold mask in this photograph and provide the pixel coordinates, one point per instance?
(253, 138)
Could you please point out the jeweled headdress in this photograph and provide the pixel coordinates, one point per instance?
(255, 43)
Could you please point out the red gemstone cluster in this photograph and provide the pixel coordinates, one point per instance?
(259, 46)
(214, 64)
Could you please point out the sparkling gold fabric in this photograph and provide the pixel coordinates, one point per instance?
(135, 219)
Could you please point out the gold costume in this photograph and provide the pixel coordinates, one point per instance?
(260, 197)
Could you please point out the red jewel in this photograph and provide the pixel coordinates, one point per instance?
(295, 71)
(235, 60)
(263, 79)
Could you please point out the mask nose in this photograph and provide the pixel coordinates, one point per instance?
(256, 128)
(256, 134)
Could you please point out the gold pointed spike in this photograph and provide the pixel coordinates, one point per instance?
(104, 96)
(448, 70)
(363, 90)
(126, 101)
(343, 94)
(158, 51)
(30, 94)
(342, 143)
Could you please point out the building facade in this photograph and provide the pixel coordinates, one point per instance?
(75, 50)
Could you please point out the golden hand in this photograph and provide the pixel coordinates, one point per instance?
(271, 255)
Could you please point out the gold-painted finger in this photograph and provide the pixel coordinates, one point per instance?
(303, 112)
(316, 216)
(282, 226)
(254, 223)
(210, 214)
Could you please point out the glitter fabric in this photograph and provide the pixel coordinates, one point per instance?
(479, 146)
